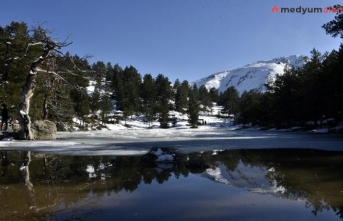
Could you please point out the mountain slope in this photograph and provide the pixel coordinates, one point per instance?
(251, 76)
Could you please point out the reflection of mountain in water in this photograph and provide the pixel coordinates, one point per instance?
(312, 175)
(251, 178)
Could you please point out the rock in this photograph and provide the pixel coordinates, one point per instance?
(43, 130)
(161, 155)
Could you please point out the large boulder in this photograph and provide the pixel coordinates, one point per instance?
(43, 130)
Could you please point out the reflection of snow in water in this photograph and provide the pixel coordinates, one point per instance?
(216, 175)
(162, 156)
(91, 171)
(90, 168)
(101, 166)
(250, 178)
(22, 167)
(274, 188)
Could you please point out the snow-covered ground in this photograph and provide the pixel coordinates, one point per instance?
(138, 137)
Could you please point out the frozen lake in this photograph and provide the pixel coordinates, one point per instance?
(138, 142)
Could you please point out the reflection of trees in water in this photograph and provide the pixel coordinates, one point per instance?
(31, 187)
(313, 175)
(309, 174)
(4, 163)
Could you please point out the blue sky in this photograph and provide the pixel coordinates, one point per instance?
(185, 39)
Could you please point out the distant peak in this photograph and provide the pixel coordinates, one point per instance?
(252, 76)
(286, 60)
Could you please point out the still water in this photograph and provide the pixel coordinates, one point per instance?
(249, 184)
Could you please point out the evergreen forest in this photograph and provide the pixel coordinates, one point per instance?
(313, 92)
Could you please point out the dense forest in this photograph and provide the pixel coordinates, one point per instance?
(311, 93)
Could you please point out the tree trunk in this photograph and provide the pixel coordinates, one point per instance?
(45, 107)
(24, 107)
(27, 93)
(25, 173)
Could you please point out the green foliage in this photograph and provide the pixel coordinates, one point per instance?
(214, 95)
(335, 27)
(230, 100)
(311, 93)
(193, 107)
(165, 93)
(148, 93)
(52, 86)
(250, 104)
(131, 83)
(181, 96)
(105, 106)
(205, 97)
(13, 64)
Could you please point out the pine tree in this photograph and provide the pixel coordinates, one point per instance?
(148, 94)
(312, 87)
(164, 95)
(109, 73)
(176, 84)
(214, 95)
(13, 41)
(193, 107)
(81, 104)
(99, 72)
(250, 107)
(335, 27)
(95, 100)
(230, 100)
(181, 97)
(205, 98)
(131, 84)
(339, 82)
(105, 106)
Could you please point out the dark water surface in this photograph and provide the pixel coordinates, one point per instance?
(248, 184)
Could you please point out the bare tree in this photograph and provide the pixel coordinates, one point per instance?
(49, 49)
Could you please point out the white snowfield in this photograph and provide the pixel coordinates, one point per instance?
(217, 135)
(251, 76)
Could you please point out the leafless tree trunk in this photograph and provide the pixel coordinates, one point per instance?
(49, 49)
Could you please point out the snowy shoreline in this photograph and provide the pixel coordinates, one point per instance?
(138, 137)
(129, 141)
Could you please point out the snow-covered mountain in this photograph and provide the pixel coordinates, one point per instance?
(251, 76)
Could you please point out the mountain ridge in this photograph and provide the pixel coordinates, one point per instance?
(251, 76)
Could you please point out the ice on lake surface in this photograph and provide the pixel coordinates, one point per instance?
(100, 175)
(139, 141)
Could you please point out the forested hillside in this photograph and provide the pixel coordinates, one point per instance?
(312, 92)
